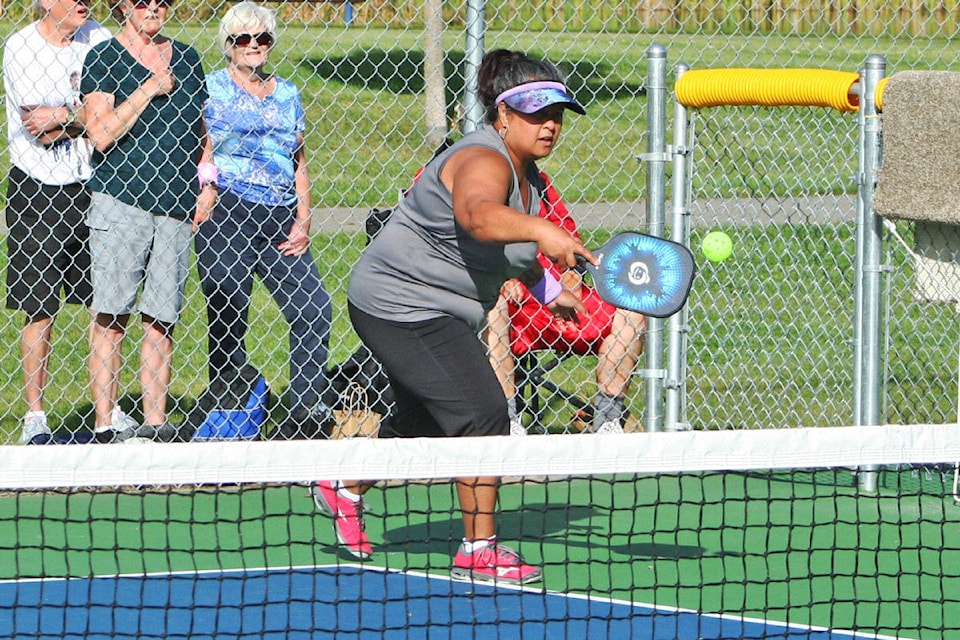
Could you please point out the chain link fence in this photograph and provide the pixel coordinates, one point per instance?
(383, 82)
(771, 332)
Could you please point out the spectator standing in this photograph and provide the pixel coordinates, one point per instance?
(261, 220)
(46, 195)
(143, 99)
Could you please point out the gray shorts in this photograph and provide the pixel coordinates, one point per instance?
(131, 248)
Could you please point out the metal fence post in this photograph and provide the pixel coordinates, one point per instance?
(680, 232)
(476, 26)
(869, 286)
(656, 158)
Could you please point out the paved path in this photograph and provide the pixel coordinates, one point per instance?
(623, 215)
(632, 215)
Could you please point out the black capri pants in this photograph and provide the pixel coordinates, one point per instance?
(440, 374)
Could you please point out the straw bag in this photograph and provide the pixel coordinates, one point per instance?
(360, 394)
(355, 418)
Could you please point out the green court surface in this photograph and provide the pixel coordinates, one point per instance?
(798, 547)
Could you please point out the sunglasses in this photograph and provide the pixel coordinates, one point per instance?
(263, 39)
(145, 4)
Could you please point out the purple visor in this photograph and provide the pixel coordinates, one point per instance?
(530, 97)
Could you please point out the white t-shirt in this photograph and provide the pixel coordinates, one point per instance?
(36, 72)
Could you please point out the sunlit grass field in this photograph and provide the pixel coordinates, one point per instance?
(361, 87)
(363, 90)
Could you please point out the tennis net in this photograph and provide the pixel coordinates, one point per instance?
(731, 534)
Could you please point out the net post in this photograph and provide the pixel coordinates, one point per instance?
(680, 232)
(868, 288)
(656, 179)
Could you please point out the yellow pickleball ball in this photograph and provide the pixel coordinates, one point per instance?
(716, 246)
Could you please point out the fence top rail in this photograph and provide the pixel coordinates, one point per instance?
(741, 87)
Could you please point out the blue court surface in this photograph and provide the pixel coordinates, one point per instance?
(344, 602)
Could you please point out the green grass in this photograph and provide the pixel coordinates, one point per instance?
(363, 93)
(363, 90)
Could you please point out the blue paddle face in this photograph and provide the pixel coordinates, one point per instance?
(643, 273)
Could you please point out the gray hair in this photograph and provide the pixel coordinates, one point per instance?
(245, 15)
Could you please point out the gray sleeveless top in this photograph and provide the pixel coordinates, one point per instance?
(423, 265)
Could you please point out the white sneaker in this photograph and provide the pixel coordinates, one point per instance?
(34, 427)
(610, 426)
(119, 421)
(122, 427)
(517, 428)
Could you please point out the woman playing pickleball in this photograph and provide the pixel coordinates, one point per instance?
(421, 290)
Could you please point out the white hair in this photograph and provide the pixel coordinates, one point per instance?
(245, 16)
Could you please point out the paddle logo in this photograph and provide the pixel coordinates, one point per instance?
(639, 274)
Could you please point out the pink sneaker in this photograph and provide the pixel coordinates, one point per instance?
(347, 518)
(496, 564)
